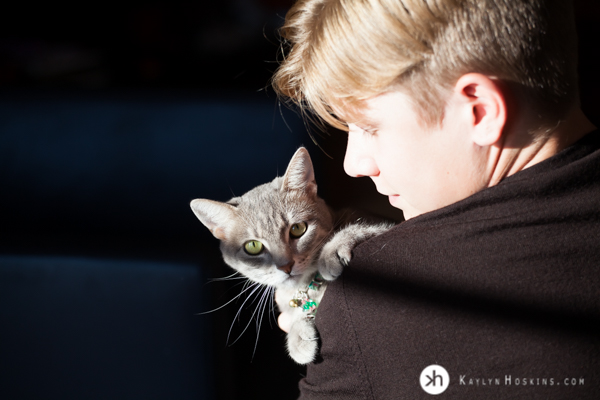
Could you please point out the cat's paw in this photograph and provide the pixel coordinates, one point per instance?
(303, 341)
(336, 255)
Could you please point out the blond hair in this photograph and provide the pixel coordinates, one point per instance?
(341, 52)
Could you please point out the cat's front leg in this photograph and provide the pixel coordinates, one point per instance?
(302, 336)
(303, 340)
(287, 313)
(337, 252)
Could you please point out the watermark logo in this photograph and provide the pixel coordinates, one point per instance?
(434, 379)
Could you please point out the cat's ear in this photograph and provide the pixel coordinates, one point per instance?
(300, 174)
(216, 216)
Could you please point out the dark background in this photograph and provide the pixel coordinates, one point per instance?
(84, 60)
(191, 46)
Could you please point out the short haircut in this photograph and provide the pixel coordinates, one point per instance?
(337, 53)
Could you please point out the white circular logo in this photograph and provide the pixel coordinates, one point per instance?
(434, 379)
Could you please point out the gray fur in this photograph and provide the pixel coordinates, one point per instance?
(266, 214)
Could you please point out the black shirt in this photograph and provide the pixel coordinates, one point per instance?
(501, 289)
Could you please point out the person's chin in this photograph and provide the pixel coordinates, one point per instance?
(398, 202)
(395, 200)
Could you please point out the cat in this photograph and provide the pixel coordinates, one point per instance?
(283, 235)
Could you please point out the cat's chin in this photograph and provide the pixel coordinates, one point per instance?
(295, 281)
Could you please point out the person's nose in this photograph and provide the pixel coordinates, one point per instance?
(358, 161)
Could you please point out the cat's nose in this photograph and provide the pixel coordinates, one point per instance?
(287, 268)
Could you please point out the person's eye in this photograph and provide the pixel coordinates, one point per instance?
(362, 128)
(370, 131)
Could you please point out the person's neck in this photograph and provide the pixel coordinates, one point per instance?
(522, 148)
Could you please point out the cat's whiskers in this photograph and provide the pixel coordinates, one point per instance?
(228, 278)
(256, 287)
(260, 309)
(273, 307)
(262, 305)
(232, 300)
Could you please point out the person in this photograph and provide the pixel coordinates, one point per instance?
(465, 113)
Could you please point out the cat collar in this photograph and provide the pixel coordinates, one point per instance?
(302, 299)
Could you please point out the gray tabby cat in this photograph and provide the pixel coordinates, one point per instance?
(281, 234)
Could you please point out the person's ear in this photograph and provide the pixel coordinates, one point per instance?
(485, 107)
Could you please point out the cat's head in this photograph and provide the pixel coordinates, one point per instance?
(273, 233)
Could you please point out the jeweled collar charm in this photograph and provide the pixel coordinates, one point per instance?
(301, 298)
(316, 283)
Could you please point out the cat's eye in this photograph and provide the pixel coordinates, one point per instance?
(298, 229)
(253, 247)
